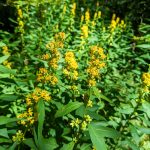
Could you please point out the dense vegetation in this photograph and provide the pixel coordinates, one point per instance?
(73, 75)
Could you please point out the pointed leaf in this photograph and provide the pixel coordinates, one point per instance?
(5, 120)
(96, 138)
(41, 116)
(3, 58)
(68, 146)
(30, 143)
(67, 109)
(4, 133)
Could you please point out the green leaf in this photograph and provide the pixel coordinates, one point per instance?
(96, 138)
(2, 44)
(2, 148)
(3, 58)
(105, 131)
(6, 120)
(144, 130)
(146, 107)
(41, 117)
(67, 109)
(13, 147)
(146, 46)
(6, 75)
(4, 140)
(68, 146)
(49, 144)
(30, 143)
(4, 69)
(85, 147)
(8, 97)
(134, 134)
(4, 133)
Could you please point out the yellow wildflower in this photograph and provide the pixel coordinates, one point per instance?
(43, 70)
(113, 16)
(89, 103)
(87, 118)
(83, 125)
(99, 14)
(92, 82)
(117, 20)
(87, 16)
(20, 13)
(64, 9)
(18, 137)
(146, 79)
(45, 56)
(73, 8)
(5, 50)
(82, 18)
(84, 30)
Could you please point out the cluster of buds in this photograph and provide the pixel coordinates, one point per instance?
(81, 124)
(146, 82)
(5, 52)
(19, 137)
(20, 20)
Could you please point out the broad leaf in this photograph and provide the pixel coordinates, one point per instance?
(146, 46)
(68, 146)
(3, 58)
(67, 109)
(30, 143)
(96, 138)
(49, 144)
(4, 133)
(8, 97)
(41, 116)
(85, 147)
(5, 120)
(4, 69)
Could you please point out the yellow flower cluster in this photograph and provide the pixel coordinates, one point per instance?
(95, 64)
(5, 52)
(73, 11)
(53, 46)
(87, 16)
(19, 137)
(27, 118)
(81, 124)
(45, 76)
(146, 79)
(71, 66)
(20, 20)
(37, 94)
(85, 31)
(89, 103)
(115, 22)
(97, 15)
